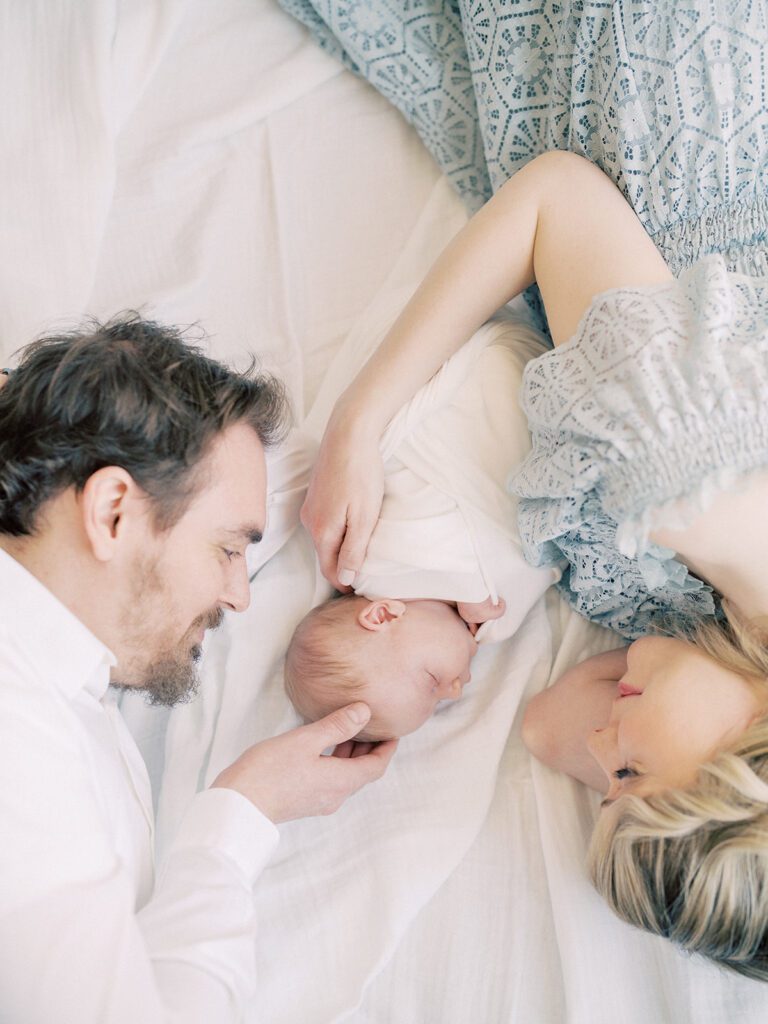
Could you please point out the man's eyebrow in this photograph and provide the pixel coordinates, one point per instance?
(249, 533)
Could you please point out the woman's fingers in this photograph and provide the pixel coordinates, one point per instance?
(342, 506)
(361, 523)
(327, 541)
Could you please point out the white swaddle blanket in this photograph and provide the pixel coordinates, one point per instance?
(447, 527)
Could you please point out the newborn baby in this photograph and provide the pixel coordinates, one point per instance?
(401, 657)
(446, 544)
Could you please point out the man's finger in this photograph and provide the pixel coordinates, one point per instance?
(371, 766)
(361, 748)
(340, 725)
(345, 749)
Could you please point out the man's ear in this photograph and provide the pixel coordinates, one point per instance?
(103, 502)
(377, 615)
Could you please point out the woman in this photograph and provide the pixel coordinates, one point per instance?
(650, 437)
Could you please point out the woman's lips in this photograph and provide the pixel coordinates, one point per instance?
(627, 690)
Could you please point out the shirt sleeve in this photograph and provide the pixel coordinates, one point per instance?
(199, 926)
(73, 949)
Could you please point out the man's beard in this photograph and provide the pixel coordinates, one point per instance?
(175, 680)
(172, 677)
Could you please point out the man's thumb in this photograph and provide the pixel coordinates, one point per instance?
(344, 723)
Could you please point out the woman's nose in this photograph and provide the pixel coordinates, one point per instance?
(601, 744)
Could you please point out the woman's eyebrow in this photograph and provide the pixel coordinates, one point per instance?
(626, 788)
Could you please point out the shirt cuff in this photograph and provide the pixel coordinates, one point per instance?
(225, 821)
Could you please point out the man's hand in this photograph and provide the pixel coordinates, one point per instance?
(289, 777)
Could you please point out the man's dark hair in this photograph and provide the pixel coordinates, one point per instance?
(129, 393)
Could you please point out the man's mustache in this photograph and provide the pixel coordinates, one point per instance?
(211, 620)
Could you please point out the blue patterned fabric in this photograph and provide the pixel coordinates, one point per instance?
(658, 400)
(670, 99)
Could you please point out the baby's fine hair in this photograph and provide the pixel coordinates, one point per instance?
(691, 864)
(321, 672)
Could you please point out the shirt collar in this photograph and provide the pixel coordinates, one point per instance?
(55, 641)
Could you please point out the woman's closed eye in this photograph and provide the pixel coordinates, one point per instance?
(625, 773)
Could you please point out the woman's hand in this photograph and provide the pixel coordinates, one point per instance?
(559, 720)
(343, 501)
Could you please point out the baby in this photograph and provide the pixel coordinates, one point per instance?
(401, 657)
(445, 543)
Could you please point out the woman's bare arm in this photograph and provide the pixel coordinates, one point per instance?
(560, 222)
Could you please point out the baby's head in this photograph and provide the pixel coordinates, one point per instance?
(400, 657)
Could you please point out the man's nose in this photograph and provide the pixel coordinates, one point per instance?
(237, 591)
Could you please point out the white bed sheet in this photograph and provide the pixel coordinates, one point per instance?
(203, 161)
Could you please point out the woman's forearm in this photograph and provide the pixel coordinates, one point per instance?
(486, 264)
(560, 222)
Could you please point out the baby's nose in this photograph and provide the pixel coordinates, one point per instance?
(458, 685)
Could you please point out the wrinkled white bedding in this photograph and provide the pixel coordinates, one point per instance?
(204, 162)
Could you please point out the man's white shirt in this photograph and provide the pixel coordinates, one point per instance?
(87, 935)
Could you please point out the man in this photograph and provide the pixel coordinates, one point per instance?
(132, 479)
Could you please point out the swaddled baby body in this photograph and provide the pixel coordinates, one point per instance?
(446, 544)
(401, 657)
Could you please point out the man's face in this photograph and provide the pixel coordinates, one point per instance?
(180, 582)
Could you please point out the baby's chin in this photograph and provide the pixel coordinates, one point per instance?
(377, 732)
(378, 735)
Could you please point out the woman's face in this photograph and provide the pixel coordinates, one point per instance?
(674, 707)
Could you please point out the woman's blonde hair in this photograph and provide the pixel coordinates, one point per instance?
(692, 864)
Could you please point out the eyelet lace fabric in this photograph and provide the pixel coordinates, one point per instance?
(658, 400)
(668, 97)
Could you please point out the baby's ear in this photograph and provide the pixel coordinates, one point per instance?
(378, 614)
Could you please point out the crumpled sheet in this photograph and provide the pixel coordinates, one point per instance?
(206, 163)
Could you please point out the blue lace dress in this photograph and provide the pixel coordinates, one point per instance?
(660, 395)
(658, 400)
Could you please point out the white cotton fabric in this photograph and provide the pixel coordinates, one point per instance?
(205, 162)
(87, 934)
(448, 524)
